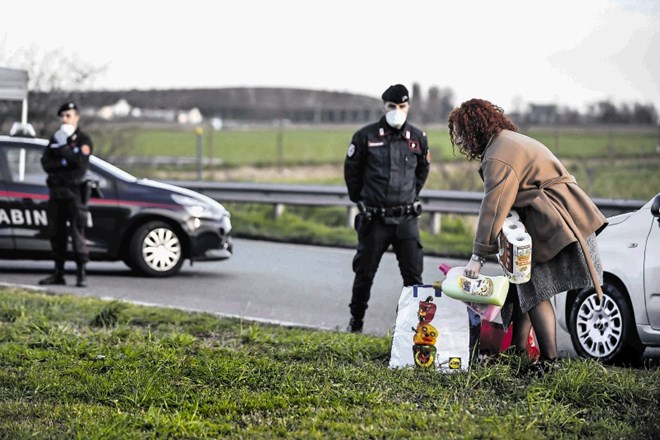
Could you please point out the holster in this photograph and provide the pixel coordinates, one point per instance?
(85, 192)
(89, 188)
(363, 223)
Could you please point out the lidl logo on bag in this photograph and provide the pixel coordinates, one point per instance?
(455, 363)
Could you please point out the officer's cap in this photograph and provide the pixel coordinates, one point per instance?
(397, 94)
(67, 106)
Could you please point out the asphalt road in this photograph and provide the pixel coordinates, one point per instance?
(264, 281)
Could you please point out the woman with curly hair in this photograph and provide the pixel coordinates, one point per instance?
(521, 173)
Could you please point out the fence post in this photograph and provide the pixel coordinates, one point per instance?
(278, 210)
(436, 220)
(199, 131)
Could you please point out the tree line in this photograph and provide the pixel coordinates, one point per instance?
(56, 76)
(436, 103)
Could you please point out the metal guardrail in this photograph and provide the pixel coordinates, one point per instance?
(155, 161)
(435, 202)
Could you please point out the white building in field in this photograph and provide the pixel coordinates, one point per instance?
(122, 110)
(192, 116)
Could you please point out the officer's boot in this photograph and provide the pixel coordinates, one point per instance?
(57, 277)
(355, 325)
(81, 275)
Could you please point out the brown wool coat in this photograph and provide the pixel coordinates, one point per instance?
(520, 172)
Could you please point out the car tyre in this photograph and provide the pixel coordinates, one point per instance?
(604, 332)
(156, 250)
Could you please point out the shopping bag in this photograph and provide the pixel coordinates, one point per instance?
(432, 331)
(494, 339)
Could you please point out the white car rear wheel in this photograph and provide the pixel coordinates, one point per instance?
(606, 330)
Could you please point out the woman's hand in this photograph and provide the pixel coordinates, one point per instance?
(472, 269)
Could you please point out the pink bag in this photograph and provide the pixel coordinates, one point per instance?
(494, 339)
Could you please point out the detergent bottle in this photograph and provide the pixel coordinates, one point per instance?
(482, 290)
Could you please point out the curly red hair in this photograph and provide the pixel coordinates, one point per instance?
(473, 124)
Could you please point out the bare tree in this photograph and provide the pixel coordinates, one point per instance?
(417, 103)
(54, 77)
(439, 104)
(58, 76)
(113, 141)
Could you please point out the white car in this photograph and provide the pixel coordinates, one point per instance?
(628, 320)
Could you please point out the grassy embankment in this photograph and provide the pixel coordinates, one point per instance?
(75, 367)
(609, 163)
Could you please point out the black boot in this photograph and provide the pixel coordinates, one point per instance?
(56, 278)
(81, 275)
(355, 325)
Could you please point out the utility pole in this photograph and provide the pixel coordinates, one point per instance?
(199, 131)
(280, 145)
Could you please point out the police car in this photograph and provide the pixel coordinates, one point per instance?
(152, 227)
(628, 320)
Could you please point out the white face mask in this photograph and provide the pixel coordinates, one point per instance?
(396, 118)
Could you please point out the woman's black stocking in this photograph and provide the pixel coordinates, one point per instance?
(521, 324)
(545, 327)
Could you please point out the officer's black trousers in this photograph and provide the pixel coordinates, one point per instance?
(373, 241)
(61, 211)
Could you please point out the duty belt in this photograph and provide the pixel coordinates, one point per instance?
(394, 211)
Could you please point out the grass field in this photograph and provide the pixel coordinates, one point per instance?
(610, 163)
(617, 164)
(83, 368)
(260, 146)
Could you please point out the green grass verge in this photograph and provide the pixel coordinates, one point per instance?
(142, 372)
(328, 227)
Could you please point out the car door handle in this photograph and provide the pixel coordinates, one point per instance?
(632, 245)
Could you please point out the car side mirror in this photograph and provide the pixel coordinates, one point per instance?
(655, 208)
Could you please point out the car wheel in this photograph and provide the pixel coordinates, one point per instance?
(606, 332)
(156, 250)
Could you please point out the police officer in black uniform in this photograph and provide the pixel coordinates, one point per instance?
(386, 166)
(66, 160)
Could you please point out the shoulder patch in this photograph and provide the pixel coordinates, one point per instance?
(86, 150)
(351, 150)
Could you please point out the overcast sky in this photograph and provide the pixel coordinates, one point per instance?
(512, 52)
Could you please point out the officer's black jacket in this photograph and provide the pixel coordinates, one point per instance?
(66, 165)
(385, 167)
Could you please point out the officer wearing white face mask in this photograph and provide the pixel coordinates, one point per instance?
(386, 166)
(66, 160)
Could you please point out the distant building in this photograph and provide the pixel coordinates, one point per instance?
(192, 116)
(234, 105)
(121, 109)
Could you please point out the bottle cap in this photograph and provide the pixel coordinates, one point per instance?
(445, 268)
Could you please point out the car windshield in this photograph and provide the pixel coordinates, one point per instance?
(111, 169)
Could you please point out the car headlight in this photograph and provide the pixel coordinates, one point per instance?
(197, 208)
